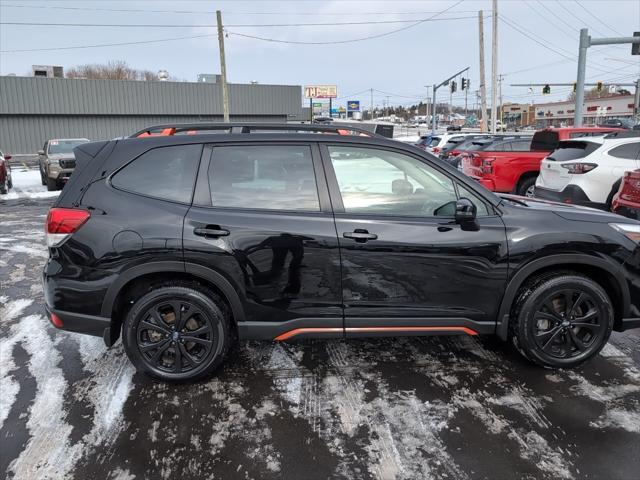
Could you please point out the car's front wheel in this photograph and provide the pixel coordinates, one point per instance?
(561, 320)
(177, 332)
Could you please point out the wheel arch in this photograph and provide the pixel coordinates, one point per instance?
(605, 272)
(115, 302)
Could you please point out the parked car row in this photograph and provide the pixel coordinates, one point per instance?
(590, 166)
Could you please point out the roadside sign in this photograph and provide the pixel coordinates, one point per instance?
(317, 104)
(320, 91)
(353, 106)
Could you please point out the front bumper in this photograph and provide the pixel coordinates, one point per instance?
(572, 194)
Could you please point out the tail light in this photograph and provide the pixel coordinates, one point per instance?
(578, 168)
(435, 150)
(487, 165)
(62, 223)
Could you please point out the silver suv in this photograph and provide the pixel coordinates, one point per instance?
(57, 161)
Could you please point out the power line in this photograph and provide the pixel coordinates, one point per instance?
(211, 12)
(141, 42)
(337, 42)
(573, 14)
(245, 25)
(598, 19)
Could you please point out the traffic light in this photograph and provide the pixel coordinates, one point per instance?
(575, 87)
(599, 87)
(546, 89)
(464, 84)
(454, 86)
(635, 47)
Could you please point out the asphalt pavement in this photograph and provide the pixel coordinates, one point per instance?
(405, 408)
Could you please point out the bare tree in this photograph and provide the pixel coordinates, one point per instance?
(114, 70)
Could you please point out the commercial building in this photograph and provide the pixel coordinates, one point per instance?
(596, 110)
(34, 109)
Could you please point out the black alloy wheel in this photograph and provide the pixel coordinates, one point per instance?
(568, 323)
(561, 319)
(177, 333)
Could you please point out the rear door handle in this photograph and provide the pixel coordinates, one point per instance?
(360, 235)
(211, 232)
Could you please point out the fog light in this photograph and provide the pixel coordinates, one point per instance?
(56, 321)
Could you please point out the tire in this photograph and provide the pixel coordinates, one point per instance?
(52, 184)
(3, 189)
(612, 193)
(9, 183)
(202, 310)
(526, 187)
(561, 340)
(43, 178)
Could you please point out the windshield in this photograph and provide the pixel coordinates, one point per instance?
(64, 146)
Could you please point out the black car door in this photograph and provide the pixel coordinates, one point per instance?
(407, 267)
(262, 220)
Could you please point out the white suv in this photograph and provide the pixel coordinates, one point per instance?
(587, 171)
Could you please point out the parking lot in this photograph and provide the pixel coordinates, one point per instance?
(433, 407)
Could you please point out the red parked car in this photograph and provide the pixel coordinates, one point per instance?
(627, 200)
(512, 166)
(5, 173)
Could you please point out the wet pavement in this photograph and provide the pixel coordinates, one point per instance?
(406, 408)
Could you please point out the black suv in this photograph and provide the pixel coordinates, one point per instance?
(186, 238)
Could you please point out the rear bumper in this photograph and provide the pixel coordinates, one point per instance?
(572, 194)
(76, 322)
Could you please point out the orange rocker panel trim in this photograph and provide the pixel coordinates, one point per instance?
(299, 331)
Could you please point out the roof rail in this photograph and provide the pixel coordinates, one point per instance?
(202, 127)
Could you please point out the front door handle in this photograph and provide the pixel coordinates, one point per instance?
(360, 235)
(211, 232)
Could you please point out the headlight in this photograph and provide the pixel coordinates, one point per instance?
(629, 230)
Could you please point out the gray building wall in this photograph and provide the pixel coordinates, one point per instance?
(33, 110)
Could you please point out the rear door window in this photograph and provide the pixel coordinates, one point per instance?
(521, 145)
(572, 150)
(264, 177)
(166, 173)
(545, 141)
(630, 151)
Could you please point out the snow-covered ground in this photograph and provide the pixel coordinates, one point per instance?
(27, 184)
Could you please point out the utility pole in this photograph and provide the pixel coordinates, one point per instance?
(426, 104)
(483, 85)
(371, 90)
(388, 106)
(636, 101)
(494, 65)
(223, 69)
(500, 78)
(585, 42)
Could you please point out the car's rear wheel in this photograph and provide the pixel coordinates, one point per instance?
(177, 333)
(561, 320)
(43, 179)
(3, 188)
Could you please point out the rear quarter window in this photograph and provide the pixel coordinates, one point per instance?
(166, 173)
(630, 151)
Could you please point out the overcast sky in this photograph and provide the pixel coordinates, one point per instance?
(538, 42)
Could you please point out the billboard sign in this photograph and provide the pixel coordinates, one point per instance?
(353, 106)
(320, 91)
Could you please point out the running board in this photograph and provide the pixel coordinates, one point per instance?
(379, 331)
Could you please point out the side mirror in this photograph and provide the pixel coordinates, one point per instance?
(466, 211)
(7, 157)
(40, 152)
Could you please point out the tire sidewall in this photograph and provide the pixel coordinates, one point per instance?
(137, 313)
(527, 317)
